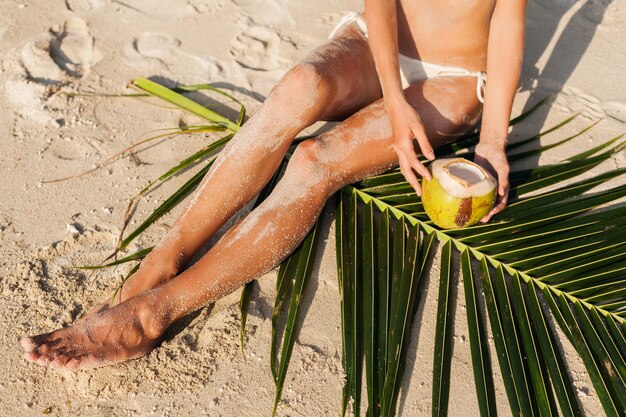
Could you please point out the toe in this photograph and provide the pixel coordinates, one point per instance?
(57, 353)
(43, 360)
(47, 348)
(31, 356)
(74, 363)
(90, 361)
(60, 361)
(47, 353)
(82, 361)
(30, 343)
(39, 359)
(27, 344)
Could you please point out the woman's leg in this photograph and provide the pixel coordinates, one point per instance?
(321, 86)
(359, 147)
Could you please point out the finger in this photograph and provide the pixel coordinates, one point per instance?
(500, 205)
(415, 163)
(498, 208)
(410, 175)
(503, 178)
(503, 190)
(425, 146)
(503, 198)
(405, 167)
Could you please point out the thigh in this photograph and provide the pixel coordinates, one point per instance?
(362, 145)
(346, 64)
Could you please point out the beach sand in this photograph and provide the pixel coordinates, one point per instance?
(575, 52)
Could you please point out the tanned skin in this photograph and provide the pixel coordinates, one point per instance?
(386, 126)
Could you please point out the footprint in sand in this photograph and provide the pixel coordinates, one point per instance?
(162, 51)
(207, 6)
(74, 48)
(170, 10)
(156, 45)
(268, 12)
(71, 50)
(260, 48)
(39, 64)
(83, 6)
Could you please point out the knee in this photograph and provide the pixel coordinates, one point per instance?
(307, 165)
(467, 114)
(463, 113)
(309, 76)
(457, 108)
(457, 121)
(306, 159)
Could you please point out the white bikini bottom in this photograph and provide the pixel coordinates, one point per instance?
(413, 70)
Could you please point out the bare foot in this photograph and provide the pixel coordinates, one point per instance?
(127, 331)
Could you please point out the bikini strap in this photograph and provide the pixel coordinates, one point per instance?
(481, 82)
(346, 20)
(481, 77)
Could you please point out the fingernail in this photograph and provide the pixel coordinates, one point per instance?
(431, 156)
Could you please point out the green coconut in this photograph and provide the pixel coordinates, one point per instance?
(459, 194)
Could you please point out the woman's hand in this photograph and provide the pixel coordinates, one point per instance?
(407, 128)
(491, 155)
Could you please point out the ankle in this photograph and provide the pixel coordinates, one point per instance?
(151, 311)
(159, 267)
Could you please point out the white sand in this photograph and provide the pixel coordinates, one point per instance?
(99, 45)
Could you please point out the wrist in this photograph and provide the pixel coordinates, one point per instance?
(497, 141)
(394, 99)
(492, 131)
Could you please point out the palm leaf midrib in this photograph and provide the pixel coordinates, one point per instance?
(443, 237)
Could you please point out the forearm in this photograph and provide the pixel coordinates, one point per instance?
(504, 63)
(380, 16)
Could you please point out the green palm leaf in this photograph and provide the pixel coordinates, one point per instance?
(296, 273)
(481, 361)
(390, 295)
(555, 242)
(443, 336)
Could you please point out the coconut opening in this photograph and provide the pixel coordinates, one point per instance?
(461, 178)
(467, 173)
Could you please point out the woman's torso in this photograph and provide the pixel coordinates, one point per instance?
(446, 32)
